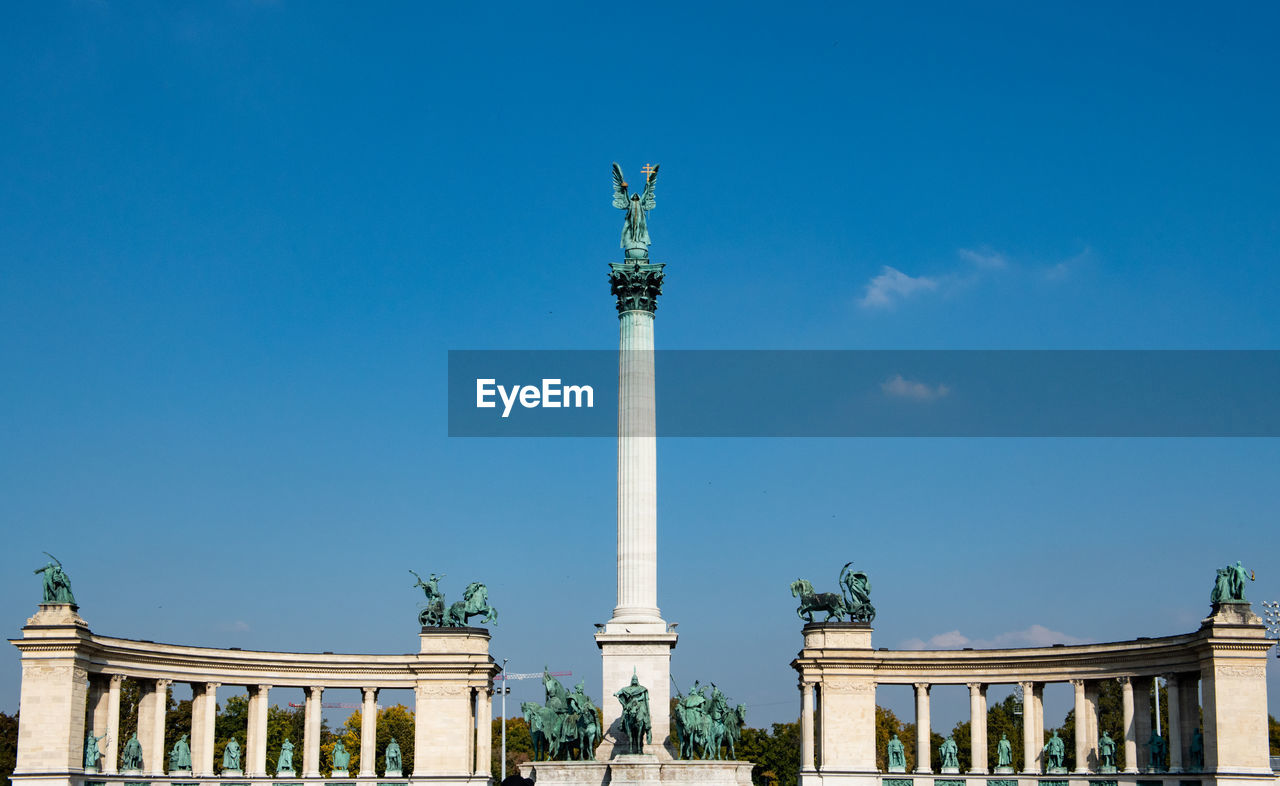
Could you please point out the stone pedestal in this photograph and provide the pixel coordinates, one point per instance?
(286, 774)
(638, 770)
(1004, 770)
(644, 650)
(1107, 769)
(341, 774)
(896, 768)
(232, 773)
(950, 770)
(394, 774)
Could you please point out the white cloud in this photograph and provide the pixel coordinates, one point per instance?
(1034, 636)
(892, 285)
(986, 259)
(239, 626)
(900, 387)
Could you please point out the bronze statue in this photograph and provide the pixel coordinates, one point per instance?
(635, 230)
(635, 714)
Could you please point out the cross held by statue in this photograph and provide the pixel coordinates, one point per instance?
(647, 169)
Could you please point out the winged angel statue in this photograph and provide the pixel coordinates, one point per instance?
(635, 231)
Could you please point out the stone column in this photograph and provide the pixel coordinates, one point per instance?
(153, 752)
(369, 734)
(312, 715)
(484, 732)
(1030, 742)
(1173, 735)
(978, 728)
(256, 744)
(111, 751)
(1091, 714)
(1082, 729)
(203, 765)
(636, 639)
(924, 756)
(1142, 717)
(1129, 731)
(806, 726)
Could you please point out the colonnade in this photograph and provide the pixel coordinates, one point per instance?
(70, 676)
(1218, 672)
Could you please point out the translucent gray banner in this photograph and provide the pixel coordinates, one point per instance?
(882, 393)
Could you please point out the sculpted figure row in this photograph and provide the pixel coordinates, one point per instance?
(1053, 754)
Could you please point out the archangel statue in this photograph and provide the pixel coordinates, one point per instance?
(635, 230)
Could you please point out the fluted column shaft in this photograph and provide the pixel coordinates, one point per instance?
(637, 472)
(806, 726)
(312, 715)
(978, 728)
(484, 732)
(208, 739)
(153, 753)
(924, 756)
(369, 733)
(1130, 726)
(257, 739)
(1082, 728)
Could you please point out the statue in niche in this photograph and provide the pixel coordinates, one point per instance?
(285, 762)
(231, 756)
(341, 758)
(1196, 756)
(1004, 752)
(949, 754)
(1055, 753)
(635, 714)
(91, 751)
(1155, 752)
(896, 754)
(180, 756)
(391, 759)
(57, 584)
(635, 228)
(1106, 753)
(131, 759)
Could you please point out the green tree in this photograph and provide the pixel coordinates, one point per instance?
(284, 723)
(232, 720)
(887, 725)
(396, 721)
(1005, 718)
(775, 754)
(1273, 732)
(519, 745)
(9, 745)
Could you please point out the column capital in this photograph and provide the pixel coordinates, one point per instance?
(976, 687)
(1078, 682)
(212, 686)
(367, 691)
(315, 690)
(116, 679)
(636, 284)
(1124, 680)
(922, 686)
(163, 684)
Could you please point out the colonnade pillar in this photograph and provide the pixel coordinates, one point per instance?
(197, 725)
(256, 742)
(111, 749)
(1092, 732)
(1082, 729)
(1031, 736)
(1173, 735)
(151, 735)
(311, 715)
(369, 733)
(924, 763)
(806, 726)
(204, 718)
(1189, 691)
(978, 728)
(1129, 731)
(484, 731)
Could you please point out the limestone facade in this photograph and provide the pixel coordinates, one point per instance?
(1220, 671)
(70, 674)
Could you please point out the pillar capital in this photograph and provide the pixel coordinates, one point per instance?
(370, 693)
(636, 284)
(976, 687)
(1079, 683)
(163, 684)
(922, 686)
(1123, 680)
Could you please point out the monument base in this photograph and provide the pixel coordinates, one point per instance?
(1004, 770)
(340, 774)
(286, 774)
(637, 770)
(950, 770)
(393, 774)
(232, 773)
(1107, 769)
(643, 650)
(896, 768)
(1056, 771)
(180, 773)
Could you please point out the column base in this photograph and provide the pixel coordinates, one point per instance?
(644, 652)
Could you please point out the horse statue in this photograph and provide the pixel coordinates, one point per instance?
(830, 602)
(475, 602)
(544, 728)
(693, 729)
(733, 723)
(581, 730)
(432, 614)
(857, 588)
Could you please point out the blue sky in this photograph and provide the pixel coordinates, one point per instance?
(237, 241)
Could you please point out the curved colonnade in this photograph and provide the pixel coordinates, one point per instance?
(1218, 671)
(71, 682)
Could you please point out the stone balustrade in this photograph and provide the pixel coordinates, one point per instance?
(1218, 672)
(70, 674)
